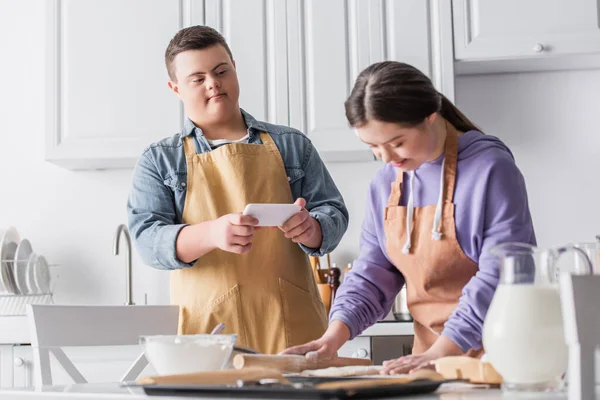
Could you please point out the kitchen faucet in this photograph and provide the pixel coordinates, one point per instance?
(122, 229)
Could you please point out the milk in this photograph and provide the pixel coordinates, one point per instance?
(523, 334)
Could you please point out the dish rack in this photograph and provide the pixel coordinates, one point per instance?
(15, 304)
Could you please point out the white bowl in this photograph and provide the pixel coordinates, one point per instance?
(184, 354)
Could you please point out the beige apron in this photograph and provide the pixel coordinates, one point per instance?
(267, 296)
(436, 271)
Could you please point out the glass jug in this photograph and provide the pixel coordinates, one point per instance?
(523, 330)
(591, 249)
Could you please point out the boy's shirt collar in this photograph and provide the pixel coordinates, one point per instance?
(254, 126)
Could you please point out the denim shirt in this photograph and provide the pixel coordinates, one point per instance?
(156, 201)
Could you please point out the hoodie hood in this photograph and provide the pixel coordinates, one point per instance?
(472, 143)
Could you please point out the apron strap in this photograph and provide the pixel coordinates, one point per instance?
(396, 193)
(268, 142)
(188, 146)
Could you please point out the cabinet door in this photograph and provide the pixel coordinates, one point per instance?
(325, 53)
(6, 366)
(331, 42)
(359, 347)
(23, 366)
(487, 29)
(292, 66)
(243, 23)
(298, 59)
(107, 94)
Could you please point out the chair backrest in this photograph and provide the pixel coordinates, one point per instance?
(56, 326)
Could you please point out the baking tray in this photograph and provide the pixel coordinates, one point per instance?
(303, 389)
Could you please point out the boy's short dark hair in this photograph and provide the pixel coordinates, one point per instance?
(192, 38)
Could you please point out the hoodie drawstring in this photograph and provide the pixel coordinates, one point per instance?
(436, 233)
(410, 209)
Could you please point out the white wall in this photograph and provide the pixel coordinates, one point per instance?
(70, 217)
(550, 122)
(548, 119)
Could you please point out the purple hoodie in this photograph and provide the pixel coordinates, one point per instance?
(490, 208)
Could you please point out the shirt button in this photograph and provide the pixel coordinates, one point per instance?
(289, 179)
(183, 184)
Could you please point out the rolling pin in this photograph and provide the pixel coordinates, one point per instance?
(225, 377)
(293, 363)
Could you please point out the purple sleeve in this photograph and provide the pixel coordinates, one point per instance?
(504, 217)
(368, 291)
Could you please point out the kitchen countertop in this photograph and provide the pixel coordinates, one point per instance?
(15, 330)
(93, 391)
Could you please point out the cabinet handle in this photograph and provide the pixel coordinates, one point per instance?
(538, 48)
(19, 362)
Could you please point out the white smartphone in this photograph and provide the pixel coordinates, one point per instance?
(271, 214)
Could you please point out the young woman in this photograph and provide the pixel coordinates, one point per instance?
(447, 194)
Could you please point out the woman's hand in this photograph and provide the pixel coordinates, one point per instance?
(406, 364)
(325, 347)
(443, 346)
(322, 348)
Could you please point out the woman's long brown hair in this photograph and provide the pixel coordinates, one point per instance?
(392, 91)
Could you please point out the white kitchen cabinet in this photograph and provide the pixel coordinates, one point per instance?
(315, 50)
(107, 95)
(488, 30)
(15, 366)
(6, 365)
(22, 364)
(297, 61)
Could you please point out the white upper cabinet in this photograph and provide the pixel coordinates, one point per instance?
(107, 94)
(297, 60)
(514, 29)
(313, 50)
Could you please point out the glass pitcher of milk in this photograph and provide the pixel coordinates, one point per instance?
(523, 330)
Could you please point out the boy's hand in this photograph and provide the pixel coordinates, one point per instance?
(234, 232)
(302, 228)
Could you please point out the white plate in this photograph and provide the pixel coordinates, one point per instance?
(30, 274)
(42, 275)
(8, 248)
(22, 255)
(271, 214)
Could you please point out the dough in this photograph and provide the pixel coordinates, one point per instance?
(353, 370)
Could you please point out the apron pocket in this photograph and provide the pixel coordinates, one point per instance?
(227, 308)
(304, 315)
